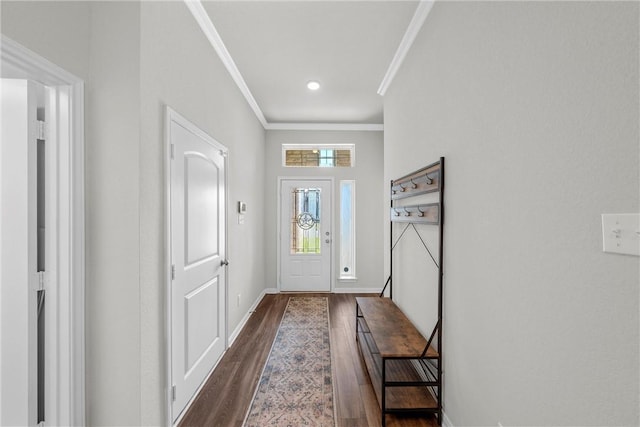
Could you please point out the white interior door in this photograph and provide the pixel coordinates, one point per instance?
(305, 235)
(22, 229)
(198, 288)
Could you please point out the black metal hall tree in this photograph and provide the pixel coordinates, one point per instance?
(429, 179)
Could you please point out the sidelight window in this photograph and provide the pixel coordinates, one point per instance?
(347, 230)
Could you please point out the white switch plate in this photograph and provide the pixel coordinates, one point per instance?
(621, 233)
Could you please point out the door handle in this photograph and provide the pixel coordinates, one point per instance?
(224, 262)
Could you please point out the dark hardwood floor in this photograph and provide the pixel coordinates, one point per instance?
(225, 398)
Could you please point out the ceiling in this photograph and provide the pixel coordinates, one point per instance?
(278, 46)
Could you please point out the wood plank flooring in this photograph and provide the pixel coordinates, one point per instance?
(225, 398)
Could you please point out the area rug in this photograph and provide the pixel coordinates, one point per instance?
(296, 387)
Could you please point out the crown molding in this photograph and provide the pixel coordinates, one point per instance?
(201, 16)
(422, 11)
(326, 126)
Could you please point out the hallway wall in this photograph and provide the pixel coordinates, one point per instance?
(535, 106)
(179, 68)
(135, 57)
(99, 42)
(370, 191)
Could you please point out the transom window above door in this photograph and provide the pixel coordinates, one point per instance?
(327, 156)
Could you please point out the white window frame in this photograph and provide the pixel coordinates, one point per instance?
(285, 147)
(351, 275)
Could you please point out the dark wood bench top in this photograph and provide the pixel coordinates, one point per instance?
(392, 331)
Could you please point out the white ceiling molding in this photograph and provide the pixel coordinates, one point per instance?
(207, 27)
(196, 8)
(422, 11)
(326, 126)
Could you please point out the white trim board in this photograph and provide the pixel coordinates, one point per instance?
(422, 11)
(201, 16)
(357, 291)
(236, 332)
(326, 126)
(207, 27)
(446, 422)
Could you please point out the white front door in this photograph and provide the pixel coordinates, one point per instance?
(198, 287)
(305, 235)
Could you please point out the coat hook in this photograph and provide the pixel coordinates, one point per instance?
(396, 211)
(429, 181)
(420, 211)
(406, 212)
(413, 184)
(402, 188)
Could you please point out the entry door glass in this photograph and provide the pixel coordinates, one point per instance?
(305, 221)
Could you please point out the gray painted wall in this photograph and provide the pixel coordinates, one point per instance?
(535, 107)
(135, 58)
(180, 68)
(368, 174)
(100, 43)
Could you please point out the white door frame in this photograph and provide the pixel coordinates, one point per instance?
(65, 362)
(172, 115)
(331, 180)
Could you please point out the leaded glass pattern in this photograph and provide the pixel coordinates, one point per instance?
(305, 221)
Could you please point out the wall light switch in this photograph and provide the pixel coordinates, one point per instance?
(621, 233)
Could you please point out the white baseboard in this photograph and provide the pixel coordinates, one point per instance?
(238, 329)
(356, 290)
(446, 422)
(244, 320)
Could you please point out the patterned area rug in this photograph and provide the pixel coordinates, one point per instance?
(296, 387)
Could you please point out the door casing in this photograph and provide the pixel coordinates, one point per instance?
(65, 339)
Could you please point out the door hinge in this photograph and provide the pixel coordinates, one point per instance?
(173, 272)
(41, 129)
(173, 393)
(173, 151)
(41, 282)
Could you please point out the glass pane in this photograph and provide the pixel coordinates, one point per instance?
(318, 157)
(327, 158)
(347, 230)
(305, 221)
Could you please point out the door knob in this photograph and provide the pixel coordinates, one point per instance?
(224, 262)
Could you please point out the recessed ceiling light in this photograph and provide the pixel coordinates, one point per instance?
(313, 85)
